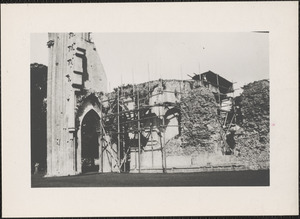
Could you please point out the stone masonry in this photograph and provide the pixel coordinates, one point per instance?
(74, 66)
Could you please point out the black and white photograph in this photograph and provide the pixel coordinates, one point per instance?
(149, 109)
(160, 109)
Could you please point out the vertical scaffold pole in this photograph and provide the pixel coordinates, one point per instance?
(180, 89)
(161, 145)
(233, 102)
(218, 90)
(134, 117)
(151, 145)
(139, 131)
(101, 137)
(162, 141)
(152, 158)
(119, 149)
(164, 147)
(148, 84)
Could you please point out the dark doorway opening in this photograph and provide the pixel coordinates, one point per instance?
(90, 143)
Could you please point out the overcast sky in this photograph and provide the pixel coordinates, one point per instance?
(128, 57)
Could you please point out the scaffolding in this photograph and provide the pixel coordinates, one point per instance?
(120, 121)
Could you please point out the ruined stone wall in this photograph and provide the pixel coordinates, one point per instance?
(202, 136)
(200, 127)
(254, 142)
(199, 141)
(255, 107)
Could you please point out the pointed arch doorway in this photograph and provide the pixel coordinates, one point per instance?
(90, 127)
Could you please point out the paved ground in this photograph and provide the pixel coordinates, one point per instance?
(227, 178)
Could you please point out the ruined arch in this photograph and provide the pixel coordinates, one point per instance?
(87, 109)
(90, 129)
(173, 123)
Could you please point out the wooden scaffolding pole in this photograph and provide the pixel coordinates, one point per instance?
(162, 137)
(139, 132)
(152, 156)
(123, 159)
(134, 117)
(218, 90)
(119, 148)
(233, 102)
(101, 137)
(151, 145)
(161, 145)
(164, 147)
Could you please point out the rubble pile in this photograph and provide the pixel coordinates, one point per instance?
(253, 144)
(252, 153)
(200, 127)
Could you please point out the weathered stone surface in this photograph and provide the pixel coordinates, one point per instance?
(73, 66)
(200, 125)
(255, 108)
(253, 145)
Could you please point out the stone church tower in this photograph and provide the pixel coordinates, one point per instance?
(74, 66)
